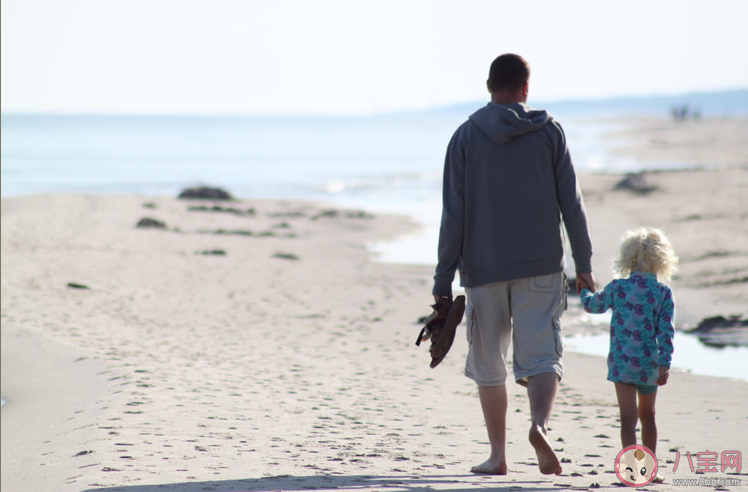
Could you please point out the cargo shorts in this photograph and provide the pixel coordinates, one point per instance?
(526, 312)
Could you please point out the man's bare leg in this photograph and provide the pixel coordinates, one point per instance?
(541, 390)
(493, 400)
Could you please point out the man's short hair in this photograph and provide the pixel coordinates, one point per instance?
(508, 72)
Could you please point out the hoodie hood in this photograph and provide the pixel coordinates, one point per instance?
(503, 122)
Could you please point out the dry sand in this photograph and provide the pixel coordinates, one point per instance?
(288, 363)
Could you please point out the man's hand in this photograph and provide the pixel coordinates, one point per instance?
(585, 281)
(438, 299)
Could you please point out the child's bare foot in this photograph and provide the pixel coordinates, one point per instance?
(491, 467)
(547, 460)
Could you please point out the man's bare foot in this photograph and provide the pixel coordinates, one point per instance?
(491, 467)
(547, 460)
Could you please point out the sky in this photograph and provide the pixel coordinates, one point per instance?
(355, 57)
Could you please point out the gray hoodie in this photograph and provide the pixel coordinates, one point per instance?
(509, 185)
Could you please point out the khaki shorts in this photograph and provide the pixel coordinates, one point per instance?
(533, 307)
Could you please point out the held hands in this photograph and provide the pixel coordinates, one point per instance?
(585, 281)
(664, 373)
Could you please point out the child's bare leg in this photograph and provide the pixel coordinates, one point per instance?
(493, 401)
(647, 419)
(626, 394)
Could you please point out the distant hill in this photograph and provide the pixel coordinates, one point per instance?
(724, 103)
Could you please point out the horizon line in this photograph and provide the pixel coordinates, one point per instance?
(363, 114)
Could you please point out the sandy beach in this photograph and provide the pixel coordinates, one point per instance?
(259, 345)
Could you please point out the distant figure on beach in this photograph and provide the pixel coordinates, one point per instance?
(641, 329)
(682, 113)
(509, 182)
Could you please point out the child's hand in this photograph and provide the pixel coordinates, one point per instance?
(664, 373)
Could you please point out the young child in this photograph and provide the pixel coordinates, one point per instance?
(641, 328)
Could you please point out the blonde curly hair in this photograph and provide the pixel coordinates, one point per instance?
(646, 250)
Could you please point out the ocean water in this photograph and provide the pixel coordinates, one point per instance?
(279, 157)
(390, 163)
(368, 158)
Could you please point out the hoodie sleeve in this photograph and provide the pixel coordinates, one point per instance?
(570, 203)
(664, 331)
(453, 215)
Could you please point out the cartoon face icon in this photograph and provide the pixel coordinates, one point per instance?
(636, 465)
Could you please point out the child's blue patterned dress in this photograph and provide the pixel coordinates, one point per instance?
(641, 326)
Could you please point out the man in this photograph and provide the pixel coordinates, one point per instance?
(509, 182)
